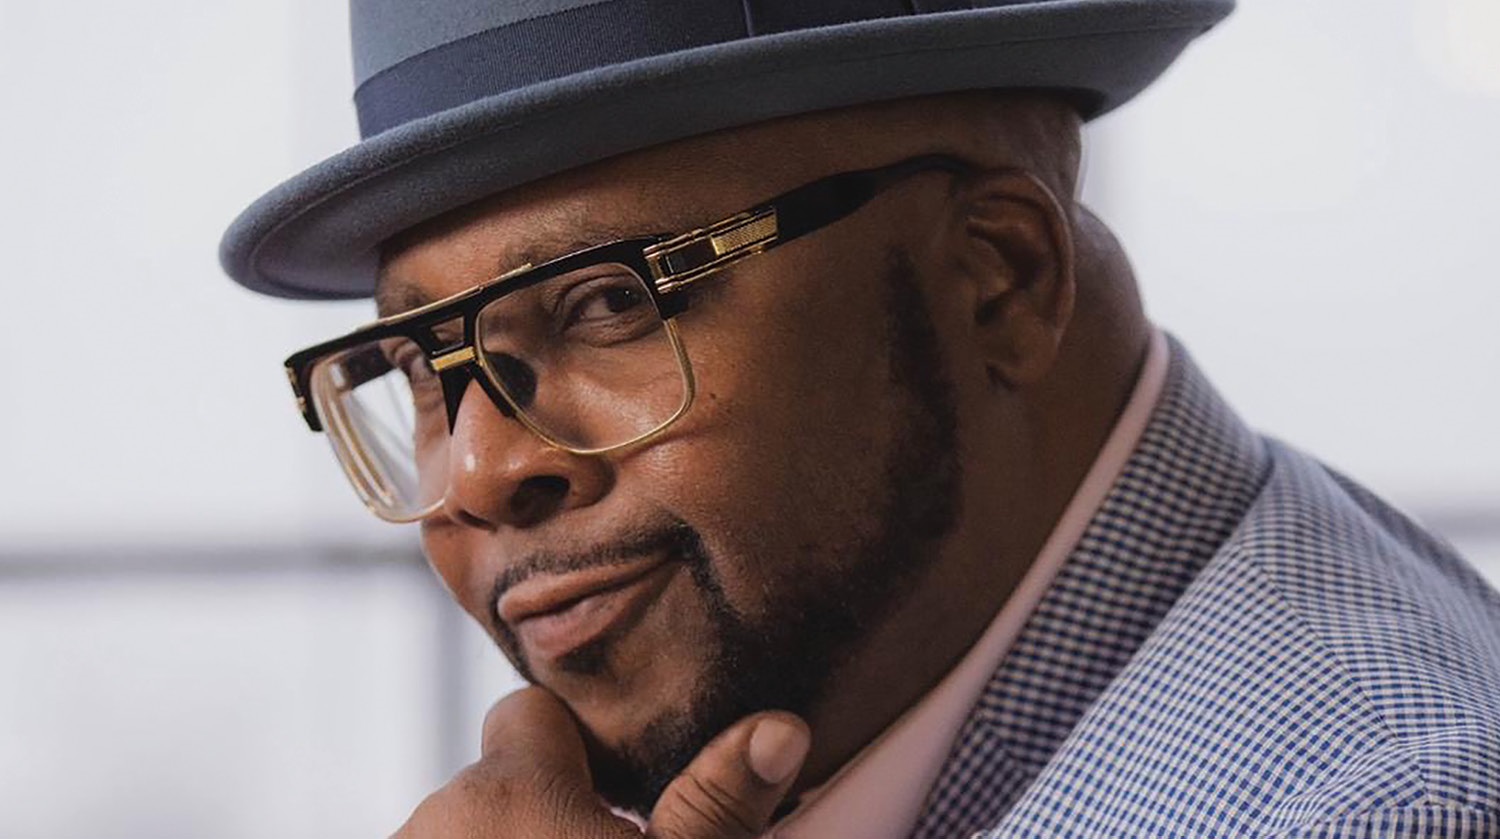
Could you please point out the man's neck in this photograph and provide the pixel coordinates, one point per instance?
(948, 609)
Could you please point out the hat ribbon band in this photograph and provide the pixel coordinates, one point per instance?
(539, 49)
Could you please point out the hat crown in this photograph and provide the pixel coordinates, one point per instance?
(387, 32)
(414, 59)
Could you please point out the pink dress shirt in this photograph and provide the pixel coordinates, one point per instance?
(880, 792)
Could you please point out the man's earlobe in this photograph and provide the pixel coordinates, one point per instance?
(1018, 250)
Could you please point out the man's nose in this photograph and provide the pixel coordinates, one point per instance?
(502, 474)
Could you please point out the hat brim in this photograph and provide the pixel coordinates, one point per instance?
(317, 235)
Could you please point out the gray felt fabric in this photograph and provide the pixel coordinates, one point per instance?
(316, 235)
(386, 32)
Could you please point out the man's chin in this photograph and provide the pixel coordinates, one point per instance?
(632, 771)
(641, 728)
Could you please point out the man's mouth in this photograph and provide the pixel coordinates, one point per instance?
(555, 614)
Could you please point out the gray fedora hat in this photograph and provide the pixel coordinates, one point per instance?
(460, 99)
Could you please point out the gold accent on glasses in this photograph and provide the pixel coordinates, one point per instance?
(693, 255)
(291, 376)
(453, 359)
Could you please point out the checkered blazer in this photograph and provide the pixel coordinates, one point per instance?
(1244, 644)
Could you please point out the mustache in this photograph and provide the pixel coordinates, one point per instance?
(676, 538)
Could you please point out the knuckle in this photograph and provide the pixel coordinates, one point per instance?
(476, 787)
(488, 794)
(433, 817)
(498, 710)
(490, 730)
(715, 806)
(468, 800)
(554, 793)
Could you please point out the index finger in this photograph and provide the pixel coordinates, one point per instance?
(534, 726)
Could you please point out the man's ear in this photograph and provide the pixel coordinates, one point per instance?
(1018, 252)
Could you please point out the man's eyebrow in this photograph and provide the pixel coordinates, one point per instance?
(394, 296)
(543, 250)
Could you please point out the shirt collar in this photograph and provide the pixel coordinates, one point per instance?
(880, 792)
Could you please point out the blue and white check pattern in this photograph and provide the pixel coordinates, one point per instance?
(1243, 644)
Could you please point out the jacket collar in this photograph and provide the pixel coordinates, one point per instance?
(1184, 490)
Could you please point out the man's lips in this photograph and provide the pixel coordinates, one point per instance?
(554, 614)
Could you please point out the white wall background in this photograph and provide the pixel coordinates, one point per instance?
(1310, 199)
(135, 132)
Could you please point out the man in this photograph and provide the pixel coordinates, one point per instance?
(763, 389)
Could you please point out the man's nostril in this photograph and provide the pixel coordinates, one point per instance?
(538, 497)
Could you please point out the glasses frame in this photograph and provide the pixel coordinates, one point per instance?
(667, 263)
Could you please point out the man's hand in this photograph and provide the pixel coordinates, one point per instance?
(532, 782)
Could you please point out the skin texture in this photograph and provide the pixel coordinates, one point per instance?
(892, 414)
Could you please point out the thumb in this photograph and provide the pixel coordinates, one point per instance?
(732, 787)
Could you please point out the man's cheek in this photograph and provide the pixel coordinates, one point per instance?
(454, 555)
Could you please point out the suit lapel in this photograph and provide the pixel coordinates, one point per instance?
(1183, 491)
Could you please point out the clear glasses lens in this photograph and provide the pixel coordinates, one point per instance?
(382, 408)
(585, 358)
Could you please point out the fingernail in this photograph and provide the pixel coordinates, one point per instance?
(777, 748)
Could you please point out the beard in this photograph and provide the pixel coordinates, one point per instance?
(786, 660)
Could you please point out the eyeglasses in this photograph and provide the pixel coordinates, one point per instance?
(583, 350)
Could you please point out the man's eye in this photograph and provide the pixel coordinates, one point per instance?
(417, 369)
(412, 363)
(602, 300)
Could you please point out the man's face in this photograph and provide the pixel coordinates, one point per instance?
(736, 562)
